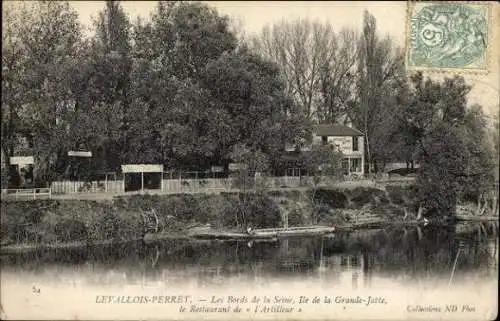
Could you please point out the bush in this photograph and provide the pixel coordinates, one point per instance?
(227, 211)
(333, 218)
(396, 194)
(21, 220)
(293, 194)
(319, 211)
(331, 197)
(184, 208)
(4, 181)
(70, 230)
(296, 217)
(361, 196)
(108, 226)
(403, 171)
(262, 212)
(52, 221)
(129, 225)
(137, 202)
(402, 195)
(388, 211)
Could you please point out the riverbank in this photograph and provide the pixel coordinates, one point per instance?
(28, 225)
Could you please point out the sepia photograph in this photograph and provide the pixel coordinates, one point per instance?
(250, 160)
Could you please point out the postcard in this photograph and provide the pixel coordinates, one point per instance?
(250, 160)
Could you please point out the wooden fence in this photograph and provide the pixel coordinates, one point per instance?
(225, 184)
(27, 193)
(192, 185)
(68, 187)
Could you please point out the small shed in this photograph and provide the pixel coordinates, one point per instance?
(76, 161)
(142, 169)
(24, 168)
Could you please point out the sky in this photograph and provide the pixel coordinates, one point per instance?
(253, 16)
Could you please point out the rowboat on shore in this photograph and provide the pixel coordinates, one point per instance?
(268, 233)
(294, 231)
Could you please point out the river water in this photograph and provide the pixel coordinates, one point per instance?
(393, 273)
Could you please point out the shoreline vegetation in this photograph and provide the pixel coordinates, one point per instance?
(52, 224)
(188, 91)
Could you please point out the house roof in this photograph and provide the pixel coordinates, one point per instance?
(336, 130)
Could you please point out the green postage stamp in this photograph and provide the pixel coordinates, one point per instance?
(448, 35)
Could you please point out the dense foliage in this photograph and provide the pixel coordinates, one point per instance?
(449, 140)
(183, 89)
(176, 90)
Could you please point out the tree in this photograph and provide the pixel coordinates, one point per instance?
(12, 84)
(321, 160)
(380, 70)
(316, 64)
(186, 36)
(494, 134)
(109, 83)
(250, 162)
(482, 161)
(45, 51)
(442, 160)
(250, 106)
(450, 142)
(337, 90)
(170, 55)
(340, 77)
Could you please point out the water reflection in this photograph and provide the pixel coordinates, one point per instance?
(353, 259)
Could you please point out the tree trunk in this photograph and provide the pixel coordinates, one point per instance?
(368, 154)
(226, 167)
(420, 212)
(483, 208)
(420, 235)
(8, 152)
(237, 220)
(313, 207)
(406, 215)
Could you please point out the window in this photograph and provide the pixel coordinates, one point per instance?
(355, 146)
(356, 165)
(292, 171)
(324, 140)
(345, 166)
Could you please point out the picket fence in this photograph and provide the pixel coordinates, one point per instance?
(68, 187)
(186, 185)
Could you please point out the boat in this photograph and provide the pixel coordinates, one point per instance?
(267, 233)
(294, 231)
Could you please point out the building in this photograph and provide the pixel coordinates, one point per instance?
(345, 139)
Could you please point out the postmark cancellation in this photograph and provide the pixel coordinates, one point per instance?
(454, 36)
